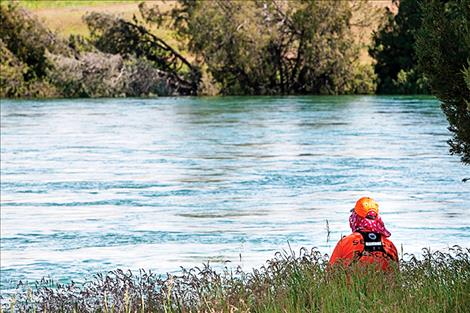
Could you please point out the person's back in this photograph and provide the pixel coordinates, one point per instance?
(365, 247)
(368, 243)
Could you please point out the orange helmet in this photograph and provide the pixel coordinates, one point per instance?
(366, 205)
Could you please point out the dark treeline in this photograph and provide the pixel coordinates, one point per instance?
(393, 48)
(263, 47)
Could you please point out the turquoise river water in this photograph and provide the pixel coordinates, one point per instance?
(89, 186)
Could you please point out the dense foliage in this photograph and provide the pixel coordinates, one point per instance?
(275, 47)
(394, 51)
(443, 50)
(23, 62)
(256, 47)
(35, 62)
(439, 282)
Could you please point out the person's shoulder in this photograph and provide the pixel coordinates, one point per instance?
(385, 240)
(389, 246)
(355, 235)
(351, 237)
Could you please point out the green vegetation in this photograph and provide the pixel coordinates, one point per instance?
(443, 50)
(266, 47)
(426, 48)
(274, 47)
(35, 62)
(394, 51)
(23, 61)
(439, 282)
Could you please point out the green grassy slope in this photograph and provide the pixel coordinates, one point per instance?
(65, 16)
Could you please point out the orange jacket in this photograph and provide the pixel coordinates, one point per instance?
(359, 247)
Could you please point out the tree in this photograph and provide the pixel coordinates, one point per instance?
(274, 46)
(394, 51)
(23, 62)
(114, 35)
(443, 50)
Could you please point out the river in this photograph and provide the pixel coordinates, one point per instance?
(89, 186)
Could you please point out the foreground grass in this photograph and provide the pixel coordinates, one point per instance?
(437, 282)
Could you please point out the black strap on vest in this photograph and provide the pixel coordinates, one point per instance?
(372, 243)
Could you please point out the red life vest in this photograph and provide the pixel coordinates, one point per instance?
(365, 247)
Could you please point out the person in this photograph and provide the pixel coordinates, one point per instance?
(369, 241)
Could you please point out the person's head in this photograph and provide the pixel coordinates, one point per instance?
(366, 207)
(365, 217)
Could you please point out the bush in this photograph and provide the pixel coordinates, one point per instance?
(12, 78)
(96, 74)
(23, 62)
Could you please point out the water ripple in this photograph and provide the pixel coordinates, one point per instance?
(92, 185)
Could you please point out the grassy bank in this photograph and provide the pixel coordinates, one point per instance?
(436, 282)
(65, 17)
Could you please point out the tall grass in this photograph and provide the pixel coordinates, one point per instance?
(436, 282)
(66, 16)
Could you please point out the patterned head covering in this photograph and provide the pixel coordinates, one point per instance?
(371, 223)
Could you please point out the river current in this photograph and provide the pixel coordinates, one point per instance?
(89, 186)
